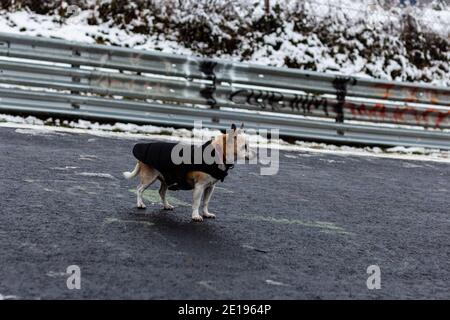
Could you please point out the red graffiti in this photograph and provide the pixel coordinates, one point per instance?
(441, 117)
(412, 94)
(387, 89)
(399, 114)
(378, 110)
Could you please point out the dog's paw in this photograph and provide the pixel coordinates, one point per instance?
(141, 206)
(209, 215)
(169, 207)
(197, 218)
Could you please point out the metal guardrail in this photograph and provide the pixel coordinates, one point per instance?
(56, 77)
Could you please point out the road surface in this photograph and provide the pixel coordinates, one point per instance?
(309, 232)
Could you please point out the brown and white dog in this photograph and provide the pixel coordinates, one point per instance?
(230, 147)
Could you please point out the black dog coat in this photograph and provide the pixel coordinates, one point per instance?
(158, 155)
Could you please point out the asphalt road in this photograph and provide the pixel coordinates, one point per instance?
(308, 232)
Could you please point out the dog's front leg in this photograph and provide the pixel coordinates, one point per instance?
(162, 193)
(197, 197)
(206, 197)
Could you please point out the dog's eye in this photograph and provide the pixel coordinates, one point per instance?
(246, 147)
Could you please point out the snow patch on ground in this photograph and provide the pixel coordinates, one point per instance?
(38, 132)
(19, 119)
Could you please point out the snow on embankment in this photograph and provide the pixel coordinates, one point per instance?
(370, 38)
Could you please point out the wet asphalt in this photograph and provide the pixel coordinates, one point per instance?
(309, 232)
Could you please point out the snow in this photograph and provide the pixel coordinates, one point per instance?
(407, 150)
(353, 22)
(341, 17)
(36, 132)
(19, 119)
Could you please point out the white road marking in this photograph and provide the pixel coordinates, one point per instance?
(96, 174)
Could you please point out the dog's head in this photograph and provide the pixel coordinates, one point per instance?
(233, 145)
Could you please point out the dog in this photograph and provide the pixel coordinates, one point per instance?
(155, 162)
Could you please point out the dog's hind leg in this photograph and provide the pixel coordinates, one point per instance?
(197, 197)
(206, 197)
(162, 193)
(148, 176)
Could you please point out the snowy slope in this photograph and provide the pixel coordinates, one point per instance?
(360, 38)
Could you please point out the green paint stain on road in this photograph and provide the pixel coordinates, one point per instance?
(153, 197)
(116, 220)
(326, 227)
(224, 190)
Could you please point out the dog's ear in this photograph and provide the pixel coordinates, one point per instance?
(233, 127)
(242, 126)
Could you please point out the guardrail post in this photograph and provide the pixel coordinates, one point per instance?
(75, 79)
(207, 68)
(340, 84)
(5, 44)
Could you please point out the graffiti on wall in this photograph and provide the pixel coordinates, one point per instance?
(276, 101)
(317, 105)
(207, 68)
(428, 117)
(310, 104)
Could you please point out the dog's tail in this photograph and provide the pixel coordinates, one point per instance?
(129, 175)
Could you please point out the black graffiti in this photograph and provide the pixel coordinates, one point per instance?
(308, 102)
(340, 84)
(208, 94)
(275, 101)
(207, 68)
(75, 79)
(258, 97)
